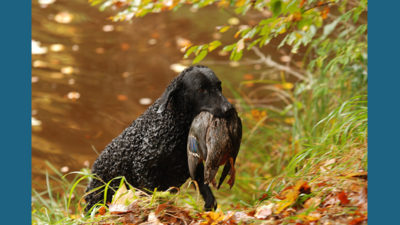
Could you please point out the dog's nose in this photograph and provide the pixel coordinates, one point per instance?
(226, 107)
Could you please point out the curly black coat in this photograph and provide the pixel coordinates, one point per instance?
(151, 152)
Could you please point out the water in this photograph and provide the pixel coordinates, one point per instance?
(91, 77)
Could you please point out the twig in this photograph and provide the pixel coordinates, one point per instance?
(320, 5)
(269, 62)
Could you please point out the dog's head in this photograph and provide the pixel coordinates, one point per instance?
(199, 89)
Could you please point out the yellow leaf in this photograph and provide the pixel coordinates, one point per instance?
(212, 218)
(291, 194)
(289, 120)
(282, 205)
(223, 3)
(283, 30)
(224, 29)
(287, 85)
(311, 217)
(240, 3)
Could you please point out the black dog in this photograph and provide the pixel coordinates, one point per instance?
(151, 152)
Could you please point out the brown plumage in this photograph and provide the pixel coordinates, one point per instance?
(216, 141)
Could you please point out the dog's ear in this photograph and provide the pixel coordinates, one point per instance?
(169, 93)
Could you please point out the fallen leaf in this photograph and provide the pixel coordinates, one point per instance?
(303, 187)
(264, 211)
(291, 194)
(312, 217)
(312, 202)
(212, 218)
(358, 220)
(152, 219)
(160, 208)
(342, 196)
(239, 217)
(122, 200)
(331, 200)
(102, 210)
(264, 196)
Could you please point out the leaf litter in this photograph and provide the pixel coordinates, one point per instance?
(324, 200)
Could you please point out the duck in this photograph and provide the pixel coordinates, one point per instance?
(214, 141)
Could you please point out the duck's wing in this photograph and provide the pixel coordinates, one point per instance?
(194, 155)
(217, 141)
(235, 134)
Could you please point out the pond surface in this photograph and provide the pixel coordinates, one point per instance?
(92, 77)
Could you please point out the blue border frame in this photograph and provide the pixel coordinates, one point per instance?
(15, 19)
(384, 112)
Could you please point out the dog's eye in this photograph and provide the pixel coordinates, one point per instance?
(203, 90)
(219, 86)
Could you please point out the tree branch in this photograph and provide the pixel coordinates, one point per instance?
(269, 62)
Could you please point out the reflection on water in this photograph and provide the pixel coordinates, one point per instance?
(91, 77)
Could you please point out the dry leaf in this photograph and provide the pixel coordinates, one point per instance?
(121, 200)
(312, 202)
(212, 218)
(342, 196)
(264, 211)
(291, 194)
(102, 210)
(358, 220)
